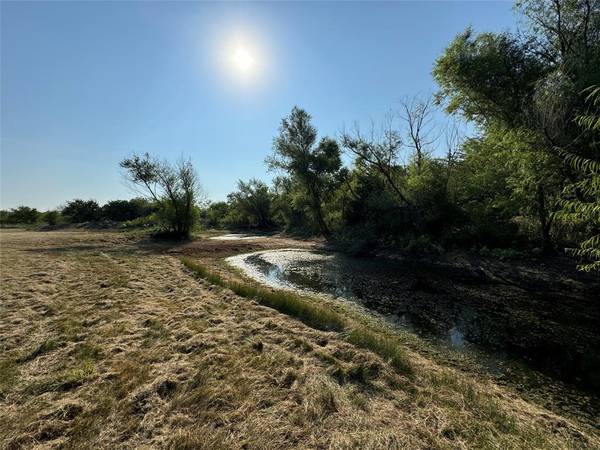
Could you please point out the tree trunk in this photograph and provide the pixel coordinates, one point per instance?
(322, 224)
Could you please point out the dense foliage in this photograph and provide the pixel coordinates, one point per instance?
(526, 178)
(580, 205)
(80, 211)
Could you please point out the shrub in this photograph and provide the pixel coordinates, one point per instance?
(20, 215)
(123, 210)
(77, 211)
(51, 217)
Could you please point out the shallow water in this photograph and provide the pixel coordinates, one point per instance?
(235, 237)
(309, 272)
(509, 330)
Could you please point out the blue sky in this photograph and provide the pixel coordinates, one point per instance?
(84, 84)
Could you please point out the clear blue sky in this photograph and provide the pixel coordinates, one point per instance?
(84, 84)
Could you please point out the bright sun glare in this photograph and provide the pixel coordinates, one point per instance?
(243, 60)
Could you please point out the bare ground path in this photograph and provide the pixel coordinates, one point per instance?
(108, 343)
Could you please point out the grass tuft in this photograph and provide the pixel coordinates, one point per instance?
(385, 346)
(64, 381)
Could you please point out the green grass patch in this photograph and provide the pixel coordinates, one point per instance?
(88, 352)
(45, 347)
(292, 305)
(9, 375)
(201, 271)
(314, 315)
(388, 347)
(64, 381)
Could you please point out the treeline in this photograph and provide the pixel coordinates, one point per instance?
(79, 211)
(527, 179)
(170, 208)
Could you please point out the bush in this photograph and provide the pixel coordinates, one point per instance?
(124, 210)
(148, 221)
(77, 211)
(51, 217)
(213, 216)
(20, 215)
(166, 215)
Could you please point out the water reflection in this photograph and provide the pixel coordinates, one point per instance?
(456, 337)
(363, 281)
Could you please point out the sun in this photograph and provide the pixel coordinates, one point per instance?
(243, 61)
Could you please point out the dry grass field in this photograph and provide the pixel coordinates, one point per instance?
(108, 341)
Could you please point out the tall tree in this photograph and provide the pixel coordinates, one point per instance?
(314, 166)
(175, 187)
(529, 87)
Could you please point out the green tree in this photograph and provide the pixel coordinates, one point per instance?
(488, 78)
(21, 214)
(174, 187)
(252, 204)
(581, 200)
(313, 166)
(51, 217)
(292, 207)
(77, 211)
(214, 214)
(525, 93)
(123, 210)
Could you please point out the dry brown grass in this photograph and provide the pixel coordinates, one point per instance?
(107, 343)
